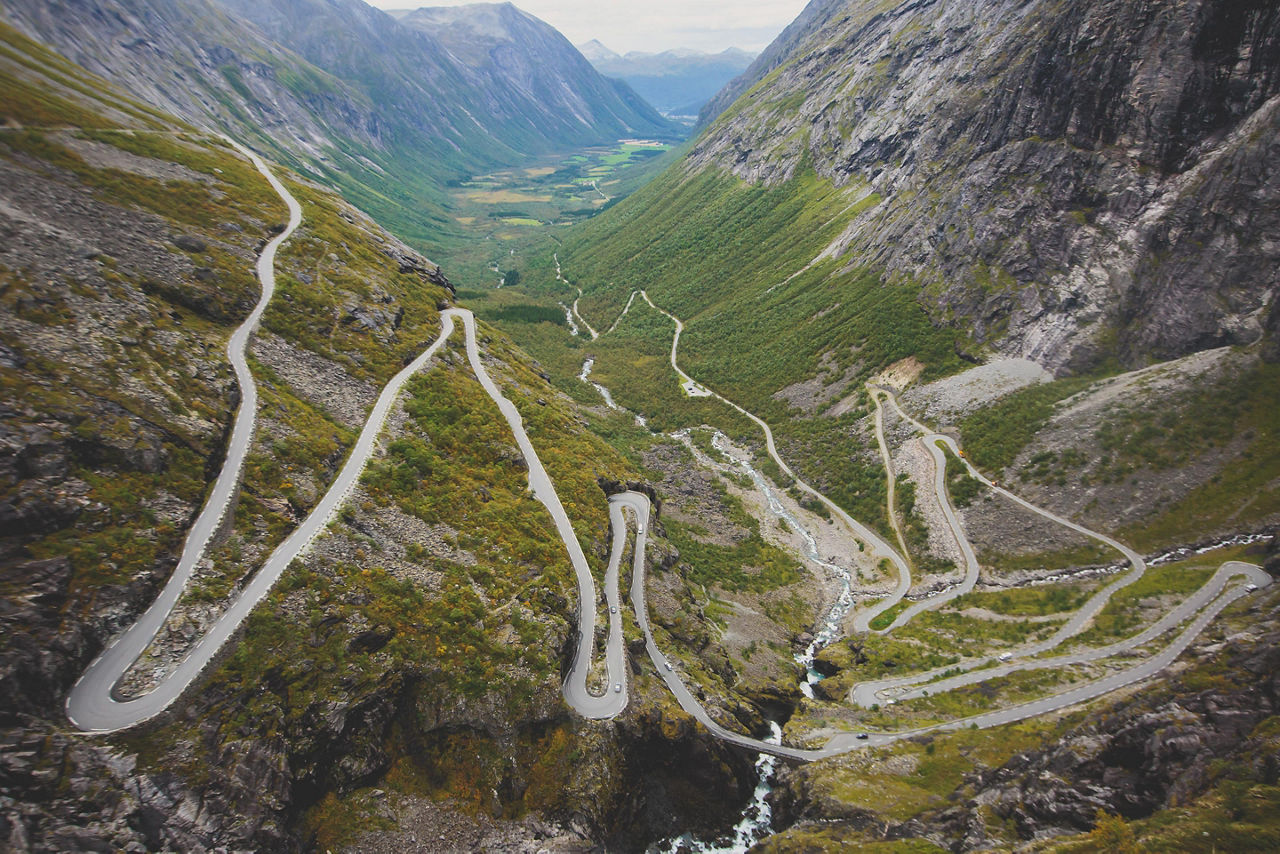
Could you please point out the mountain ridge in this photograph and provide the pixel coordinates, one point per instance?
(677, 81)
(380, 112)
(1102, 247)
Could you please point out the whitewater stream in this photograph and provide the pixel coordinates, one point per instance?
(585, 376)
(829, 629)
(757, 816)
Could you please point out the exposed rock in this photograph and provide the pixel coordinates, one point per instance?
(1155, 749)
(1074, 180)
(190, 243)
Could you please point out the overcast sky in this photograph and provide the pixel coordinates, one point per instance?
(653, 25)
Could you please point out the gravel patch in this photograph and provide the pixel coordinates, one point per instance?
(945, 401)
(317, 379)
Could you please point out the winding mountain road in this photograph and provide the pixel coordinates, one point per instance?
(92, 705)
(1205, 604)
(879, 548)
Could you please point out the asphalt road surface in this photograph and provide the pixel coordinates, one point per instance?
(90, 704)
(93, 707)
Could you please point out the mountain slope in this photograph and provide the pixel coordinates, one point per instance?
(522, 57)
(1070, 182)
(674, 81)
(340, 90)
(416, 646)
(928, 185)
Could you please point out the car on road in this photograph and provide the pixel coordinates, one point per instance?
(613, 609)
(640, 528)
(1005, 656)
(862, 736)
(1250, 588)
(666, 664)
(617, 687)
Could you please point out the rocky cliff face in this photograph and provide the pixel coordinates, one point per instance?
(1163, 747)
(1068, 180)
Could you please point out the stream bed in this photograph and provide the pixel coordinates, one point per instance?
(757, 816)
(829, 628)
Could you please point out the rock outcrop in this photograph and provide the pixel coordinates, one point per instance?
(1160, 747)
(1068, 181)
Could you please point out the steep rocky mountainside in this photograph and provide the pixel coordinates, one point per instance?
(1187, 764)
(412, 658)
(814, 15)
(341, 91)
(521, 57)
(1066, 181)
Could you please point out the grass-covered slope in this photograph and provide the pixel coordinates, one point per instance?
(770, 322)
(417, 645)
(344, 93)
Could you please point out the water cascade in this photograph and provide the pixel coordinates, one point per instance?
(829, 629)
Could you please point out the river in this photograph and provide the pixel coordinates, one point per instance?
(830, 627)
(757, 816)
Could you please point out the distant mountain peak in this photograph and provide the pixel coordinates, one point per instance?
(677, 81)
(595, 51)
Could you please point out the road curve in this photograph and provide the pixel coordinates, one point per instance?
(1185, 610)
(860, 531)
(90, 705)
(1211, 599)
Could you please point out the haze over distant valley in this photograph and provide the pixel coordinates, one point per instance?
(677, 82)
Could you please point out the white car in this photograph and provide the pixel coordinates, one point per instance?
(640, 528)
(1005, 656)
(1251, 588)
(666, 664)
(617, 687)
(613, 609)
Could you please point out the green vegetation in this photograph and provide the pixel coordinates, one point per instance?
(962, 487)
(509, 215)
(833, 457)
(966, 636)
(1235, 418)
(750, 563)
(924, 775)
(710, 248)
(915, 531)
(107, 405)
(877, 656)
(994, 435)
(1123, 614)
(529, 313)
(1238, 812)
(633, 362)
(1027, 601)
(1091, 553)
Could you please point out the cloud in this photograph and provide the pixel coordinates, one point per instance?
(655, 25)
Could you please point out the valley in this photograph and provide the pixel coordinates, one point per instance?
(893, 465)
(503, 217)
